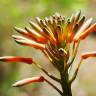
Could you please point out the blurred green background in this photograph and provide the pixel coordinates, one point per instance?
(18, 13)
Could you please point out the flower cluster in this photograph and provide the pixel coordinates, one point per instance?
(55, 36)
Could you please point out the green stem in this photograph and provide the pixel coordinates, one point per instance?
(66, 88)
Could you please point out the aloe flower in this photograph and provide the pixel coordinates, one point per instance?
(58, 38)
(16, 59)
(29, 80)
(88, 54)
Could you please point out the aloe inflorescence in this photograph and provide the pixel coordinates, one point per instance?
(58, 38)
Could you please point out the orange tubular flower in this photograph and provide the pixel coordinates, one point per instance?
(16, 59)
(82, 29)
(88, 54)
(31, 34)
(91, 29)
(24, 41)
(28, 81)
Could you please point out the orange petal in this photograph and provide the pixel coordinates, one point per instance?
(70, 32)
(31, 34)
(16, 59)
(24, 32)
(21, 31)
(36, 36)
(82, 29)
(88, 54)
(81, 21)
(18, 37)
(35, 27)
(50, 35)
(28, 81)
(24, 41)
(38, 20)
(91, 29)
(42, 32)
